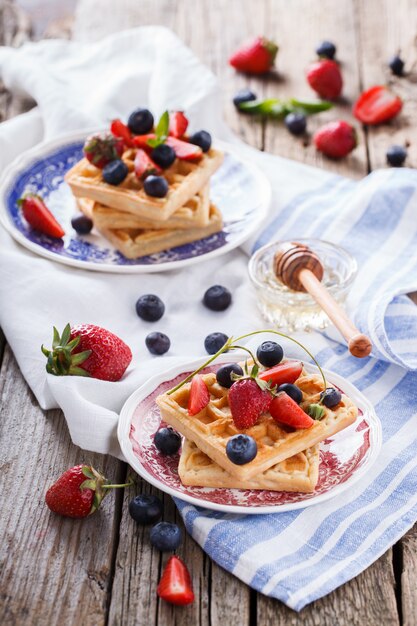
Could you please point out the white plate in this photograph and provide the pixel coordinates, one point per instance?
(238, 188)
(345, 457)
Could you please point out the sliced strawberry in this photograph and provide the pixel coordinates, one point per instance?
(39, 216)
(377, 105)
(286, 411)
(144, 165)
(118, 129)
(141, 141)
(184, 150)
(178, 123)
(199, 395)
(286, 372)
(247, 402)
(175, 585)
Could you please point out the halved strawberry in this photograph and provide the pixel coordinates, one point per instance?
(144, 165)
(178, 123)
(377, 105)
(141, 141)
(175, 585)
(39, 216)
(248, 402)
(286, 411)
(184, 150)
(199, 395)
(286, 372)
(118, 129)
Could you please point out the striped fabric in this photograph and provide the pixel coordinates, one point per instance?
(302, 555)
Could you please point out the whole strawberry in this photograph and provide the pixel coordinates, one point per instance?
(102, 148)
(336, 139)
(247, 402)
(325, 78)
(87, 350)
(78, 492)
(255, 57)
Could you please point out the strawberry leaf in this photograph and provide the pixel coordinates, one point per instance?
(80, 357)
(88, 484)
(316, 411)
(65, 335)
(87, 472)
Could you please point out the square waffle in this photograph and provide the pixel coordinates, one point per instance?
(299, 472)
(134, 243)
(211, 428)
(194, 214)
(185, 179)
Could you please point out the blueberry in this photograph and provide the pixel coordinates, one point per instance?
(157, 343)
(223, 375)
(243, 95)
(396, 65)
(82, 224)
(326, 49)
(145, 509)
(115, 172)
(241, 449)
(163, 155)
(330, 397)
(214, 342)
(165, 536)
(140, 121)
(167, 440)
(293, 391)
(396, 156)
(156, 186)
(296, 123)
(150, 308)
(269, 353)
(202, 139)
(217, 298)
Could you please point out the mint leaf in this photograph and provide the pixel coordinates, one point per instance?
(316, 411)
(163, 125)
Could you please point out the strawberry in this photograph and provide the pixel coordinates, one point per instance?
(78, 492)
(336, 139)
(255, 57)
(184, 150)
(175, 585)
(103, 148)
(377, 105)
(178, 123)
(286, 411)
(144, 165)
(141, 141)
(118, 129)
(325, 78)
(199, 395)
(247, 402)
(87, 350)
(286, 372)
(37, 214)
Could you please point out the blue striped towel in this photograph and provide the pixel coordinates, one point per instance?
(302, 555)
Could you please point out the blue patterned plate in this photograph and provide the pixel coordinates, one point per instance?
(238, 188)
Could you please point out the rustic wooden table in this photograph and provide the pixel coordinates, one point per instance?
(103, 570)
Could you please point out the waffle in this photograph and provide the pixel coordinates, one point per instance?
(134, 243)
(213, 426)
(184, 177)
(297, 473)
(194, 214)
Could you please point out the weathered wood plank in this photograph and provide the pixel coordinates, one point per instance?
(53, 570)
(367, 599)
(298, 27)
(408, 546)
(384, 28)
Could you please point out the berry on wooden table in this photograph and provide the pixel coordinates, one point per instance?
(396, 155)
(165, 536)
(296, 123)
(140, 121)
(396, 65)
(175, 585)
(336, 139)
(157, 343)
(145, 509)
(167, 440)
(150, 307)
(325, 78)
(255, 57)
(115, 172)
(214, 342)
(243, 95)
(376, 105)
(326, 50)
(241, 449)
(82, 224)
(217, 298)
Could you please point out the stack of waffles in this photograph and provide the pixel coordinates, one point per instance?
(138, 224)
(287, 459)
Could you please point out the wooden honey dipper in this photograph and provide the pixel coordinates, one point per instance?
(300, 269)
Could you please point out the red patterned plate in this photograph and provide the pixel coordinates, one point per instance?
(344, 458)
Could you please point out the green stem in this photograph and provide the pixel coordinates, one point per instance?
(236, 347)
(129, 484)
